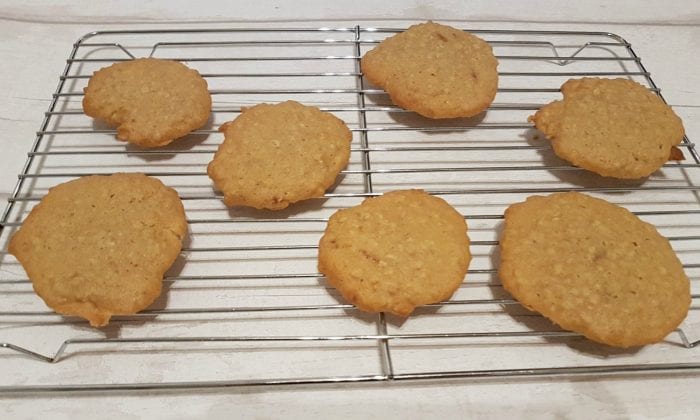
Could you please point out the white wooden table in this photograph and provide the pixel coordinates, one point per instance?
(36, 39)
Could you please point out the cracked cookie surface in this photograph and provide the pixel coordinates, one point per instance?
(395, 252)
(98, 246)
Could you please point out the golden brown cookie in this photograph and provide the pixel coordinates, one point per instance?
(395, 252)
(151, 101)
(275, 155)
(613, 127)
(594, 268)
(99, 245)
(435, 70)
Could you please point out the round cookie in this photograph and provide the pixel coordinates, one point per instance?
(435, 70)
(613, 127)
(395, 252)
(594, 268)
(275, 155)
(99, 245)
(151, 101)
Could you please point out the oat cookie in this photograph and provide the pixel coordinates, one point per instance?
(435, 70)
(594, 268)
(275, 155)
(99, 245)
(395, 252)
(151, 101)
(613, 127)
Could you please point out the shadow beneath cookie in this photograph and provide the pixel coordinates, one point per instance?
(168, 151)
(103, 126)
(338, 180)
(373, 317)
(436, 126)
(182, 144)
(538, 323)
(576, 177)
(378, 99)
(300, 207)
(351, 311)
(413, 120)
(421, 311)
(179, 264)
(294, 209)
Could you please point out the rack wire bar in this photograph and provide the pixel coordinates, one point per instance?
(366, 171)
(458, 192)
(569, 371)
(354, 149)
(246, 287)
(231, 310)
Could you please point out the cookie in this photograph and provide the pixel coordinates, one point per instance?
(275, 155)
(395, 252)
(98, 246)
(594, 268)
(151, 101)
(435, 70)
(613, 127)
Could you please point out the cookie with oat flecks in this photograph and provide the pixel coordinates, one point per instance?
(613, 127)
(151, 101)
(594, 268)
(98, 246)
(395, 252)
(435, 70)
(274, 155)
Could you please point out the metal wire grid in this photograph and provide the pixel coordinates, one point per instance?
(245, 306)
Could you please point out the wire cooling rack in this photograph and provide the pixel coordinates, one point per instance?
(245, 305)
